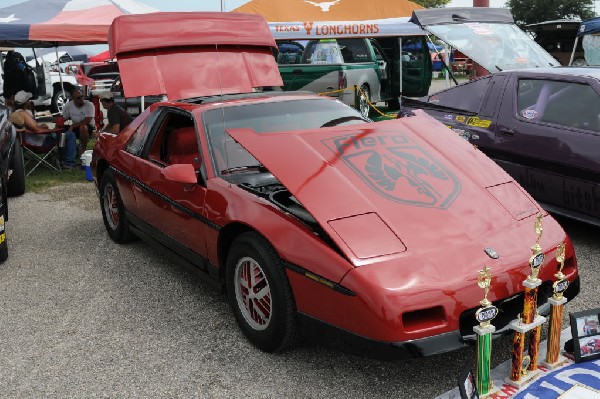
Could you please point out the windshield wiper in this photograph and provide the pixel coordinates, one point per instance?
(343, 119)
(236, 169)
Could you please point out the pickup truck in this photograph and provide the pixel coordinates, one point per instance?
(541, 125)
(333, 65)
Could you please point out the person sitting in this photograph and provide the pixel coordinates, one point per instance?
(118, 118)
(23, 121)
(81, 112)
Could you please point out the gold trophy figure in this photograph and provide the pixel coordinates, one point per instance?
(484, 315)
(524, 368)
(553, 358)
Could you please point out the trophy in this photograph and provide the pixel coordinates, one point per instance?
(484, 315)
(529, 323)
(553, 358)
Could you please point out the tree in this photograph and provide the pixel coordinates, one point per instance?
(527, 12)
(431, 3)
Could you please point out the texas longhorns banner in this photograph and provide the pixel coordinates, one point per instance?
(340, 29)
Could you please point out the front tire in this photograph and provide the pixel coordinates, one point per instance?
(16, 183)
(260, 294)
(59, 99)
(113, 210)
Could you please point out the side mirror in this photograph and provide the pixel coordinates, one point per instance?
(180, 173)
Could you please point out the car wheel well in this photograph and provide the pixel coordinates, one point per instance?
(227, 235)
(101, 167)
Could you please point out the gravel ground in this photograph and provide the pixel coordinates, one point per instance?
(82, 317)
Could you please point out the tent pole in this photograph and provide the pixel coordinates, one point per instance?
(62, 87)
(400, 69)
(573, 52)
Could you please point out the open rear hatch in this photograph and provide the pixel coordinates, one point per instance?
(187, 55)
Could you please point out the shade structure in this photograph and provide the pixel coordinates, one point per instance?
(336, 10)
(51, 23)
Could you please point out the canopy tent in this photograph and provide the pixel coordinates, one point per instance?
(52, 23)
(336, 10)
(590, 31)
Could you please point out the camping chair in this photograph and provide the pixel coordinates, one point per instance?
(40, 149)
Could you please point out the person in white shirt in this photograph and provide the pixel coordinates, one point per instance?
(81, 112)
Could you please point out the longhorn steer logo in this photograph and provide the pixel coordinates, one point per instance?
(398, 169)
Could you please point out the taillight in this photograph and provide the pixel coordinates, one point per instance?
(342, 81)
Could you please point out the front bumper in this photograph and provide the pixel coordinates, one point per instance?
(348, 342)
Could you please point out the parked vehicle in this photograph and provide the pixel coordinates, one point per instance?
(300, 207)
(332, 65)
(558, 39)
(12, 174)
(541, 125)
(133, 105)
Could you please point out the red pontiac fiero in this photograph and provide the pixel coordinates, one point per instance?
(302, 209)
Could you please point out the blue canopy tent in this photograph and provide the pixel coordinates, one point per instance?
(588, 31)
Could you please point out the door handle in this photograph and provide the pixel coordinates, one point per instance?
(507, 132)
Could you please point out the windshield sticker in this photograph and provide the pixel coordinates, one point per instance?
(460, 118)
(479, 29)
(478, 122)
(448, 117)
(529, 113)
(398, 169)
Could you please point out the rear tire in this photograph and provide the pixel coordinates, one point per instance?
(16, 183)
(260, 294)
(113, 211)
(363, 101)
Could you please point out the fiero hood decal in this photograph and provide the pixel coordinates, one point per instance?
(412, 183)
(397, 168)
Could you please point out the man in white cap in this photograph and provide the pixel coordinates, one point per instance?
(118, 118)
(23, 120)
(81, 112)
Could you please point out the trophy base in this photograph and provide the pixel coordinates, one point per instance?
(518, 326)
(524, 380)
(559, 362)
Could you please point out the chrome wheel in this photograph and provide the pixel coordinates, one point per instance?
(363, 101)
(253, 293)
(111, 207)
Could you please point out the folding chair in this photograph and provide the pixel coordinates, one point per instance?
(40, 149)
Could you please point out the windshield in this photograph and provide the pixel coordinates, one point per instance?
(496, 47)
(280, 116)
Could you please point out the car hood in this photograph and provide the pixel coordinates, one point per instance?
(380, 189)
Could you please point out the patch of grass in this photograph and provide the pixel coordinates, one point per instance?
(43, 178)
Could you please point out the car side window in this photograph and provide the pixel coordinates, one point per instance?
(355, 50)
(467, 96)
(568, 104)
(175, 141)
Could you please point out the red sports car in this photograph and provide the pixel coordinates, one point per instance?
(591, 347)
(302, 209)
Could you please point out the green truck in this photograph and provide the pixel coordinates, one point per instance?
(383, 68)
